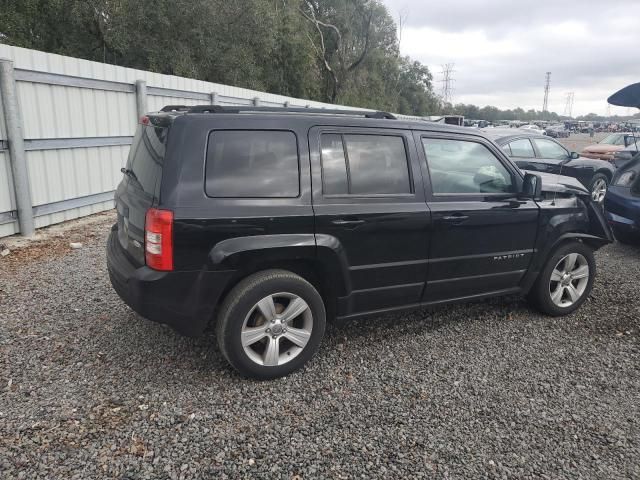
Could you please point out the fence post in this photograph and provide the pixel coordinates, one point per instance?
(141, 99)
(15, 136)
(214, 98)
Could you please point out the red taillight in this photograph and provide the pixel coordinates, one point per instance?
(158, 239)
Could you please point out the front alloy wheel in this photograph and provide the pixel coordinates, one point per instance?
(569, 280)
(565, 281)
(599, 189)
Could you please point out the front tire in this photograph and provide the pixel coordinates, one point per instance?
(270, 324)
(566, 280)
(598, 188)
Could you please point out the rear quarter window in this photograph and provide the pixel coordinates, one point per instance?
(146, 156)
(252, 164)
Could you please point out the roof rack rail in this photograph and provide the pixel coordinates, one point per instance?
(249, 108)
(175, 108)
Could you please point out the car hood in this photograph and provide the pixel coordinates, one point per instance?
(552, 182)
(597, 148)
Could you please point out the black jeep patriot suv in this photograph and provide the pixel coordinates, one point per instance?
(269, 221)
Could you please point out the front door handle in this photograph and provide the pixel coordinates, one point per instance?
(455, 218)
(343, 222)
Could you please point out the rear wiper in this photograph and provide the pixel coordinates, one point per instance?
(129, 173)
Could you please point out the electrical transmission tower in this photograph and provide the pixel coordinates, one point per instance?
(547, 83)
(447, 82)
(568, 106)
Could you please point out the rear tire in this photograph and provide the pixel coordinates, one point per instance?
(566, 280)
(270, 324)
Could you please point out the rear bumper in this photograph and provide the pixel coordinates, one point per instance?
(186, 301)
(622, 210)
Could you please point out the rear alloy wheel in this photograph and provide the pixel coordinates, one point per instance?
(565, 281)
(270, 324)
(599, 186)
(274, 334)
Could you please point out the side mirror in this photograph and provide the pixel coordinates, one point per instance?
(532, 186)
(574, 155)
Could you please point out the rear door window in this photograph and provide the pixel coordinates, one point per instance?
(366, 164)
(252, 164)
(522, 148)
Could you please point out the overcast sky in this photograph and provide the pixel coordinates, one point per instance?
(502, 49)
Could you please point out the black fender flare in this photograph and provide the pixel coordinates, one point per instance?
(541, 256)
(325, 251)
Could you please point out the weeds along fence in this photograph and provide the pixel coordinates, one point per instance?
(66, 126)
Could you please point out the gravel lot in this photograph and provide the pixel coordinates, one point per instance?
(488, 390)
(578, 141)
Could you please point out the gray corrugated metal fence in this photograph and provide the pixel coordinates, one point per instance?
(78, 121)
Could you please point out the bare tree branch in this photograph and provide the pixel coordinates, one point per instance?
(365, 50)
(322, 51)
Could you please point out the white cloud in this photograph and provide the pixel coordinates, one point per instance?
(426, 41)
(502, 49)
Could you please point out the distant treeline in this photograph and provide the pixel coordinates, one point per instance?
(493, 114)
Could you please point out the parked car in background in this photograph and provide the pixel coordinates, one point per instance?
(537, 153)
(623, 156)
(606, 148)
(533, 129)
(557, 131)
(622, 203)
(269, 222)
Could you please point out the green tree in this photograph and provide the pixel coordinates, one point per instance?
(333, 50)
(345, 33)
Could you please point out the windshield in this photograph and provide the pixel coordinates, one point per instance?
(611, 140)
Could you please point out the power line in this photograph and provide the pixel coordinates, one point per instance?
(547, 83)
(568, 106)
(447, 82)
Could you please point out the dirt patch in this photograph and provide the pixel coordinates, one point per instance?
(54, 241)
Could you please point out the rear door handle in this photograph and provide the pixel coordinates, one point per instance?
(347, 222)
(455, 218)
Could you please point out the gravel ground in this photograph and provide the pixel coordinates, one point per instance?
(487, 390)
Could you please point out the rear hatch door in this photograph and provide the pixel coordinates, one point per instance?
(139, 189)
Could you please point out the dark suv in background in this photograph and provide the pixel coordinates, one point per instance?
(268, 222)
